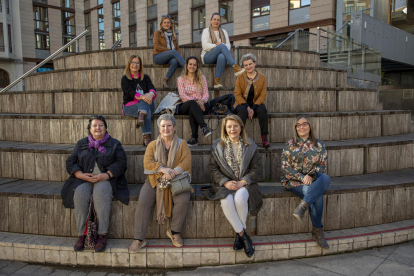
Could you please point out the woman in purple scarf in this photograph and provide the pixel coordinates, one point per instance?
(97, 168)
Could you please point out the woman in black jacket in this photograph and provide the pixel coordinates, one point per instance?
(139, 95)
(97, 167)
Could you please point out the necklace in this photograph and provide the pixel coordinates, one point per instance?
(250, 78)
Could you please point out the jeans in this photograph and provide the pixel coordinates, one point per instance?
(260, 112)
(173, 58)
(134, 109)
(236, 209)
(219, 55)
(196, 115)
(313, 195)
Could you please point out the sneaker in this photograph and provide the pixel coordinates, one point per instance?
(192, 142)
(237, 70)
(217, 83)
(206, 131)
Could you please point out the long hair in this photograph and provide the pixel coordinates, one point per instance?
(311, 132)
(198, 75)
(172, 24)
(224, 134)
(128, 70)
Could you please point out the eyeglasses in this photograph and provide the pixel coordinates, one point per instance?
(136, 63)
(305, 124)
(167, 16)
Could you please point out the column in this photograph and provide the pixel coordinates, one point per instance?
(80, 23)
(141, 13)
(242, 17)
(123, 5)
(109, 37)
(184, 21)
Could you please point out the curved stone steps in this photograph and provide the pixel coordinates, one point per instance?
(35, 207)
(109, 101)
(265, 56)
(44, 161)
(110, 77)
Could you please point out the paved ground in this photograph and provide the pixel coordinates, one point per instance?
(390, 260)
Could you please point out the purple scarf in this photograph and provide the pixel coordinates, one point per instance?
(97, 144)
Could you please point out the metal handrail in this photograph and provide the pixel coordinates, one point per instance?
(289, 37)
(46, 60)
(116, 44)
(337, 32)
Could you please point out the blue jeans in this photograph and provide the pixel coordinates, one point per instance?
(219, 55)
(173, 58)
(313, 195)
(141, 106)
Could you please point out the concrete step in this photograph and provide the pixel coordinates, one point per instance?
(159, 253)
(265, 56)
(109, 101)
(328, 126)
(110, 77)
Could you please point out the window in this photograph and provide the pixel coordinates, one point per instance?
(349, 8)
(151, 9)
(4, 78)
(152, 3)
(8, 6)
(199, 23)
(133, 39)
(101, 30)
(1, 38)
(41, 1)
(174, 19)
(88, 38)
(116, 28)
(132, 15)
(87, 5)
(198, 3)
(41, 27)
(9, 34)
(99, 2)
(172, 6)
(226, 12)
(67, 3)
(260, 15)
(296, 4)
(68, 30)
(152, 26)
(1, 6)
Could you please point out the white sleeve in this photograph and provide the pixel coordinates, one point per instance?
(227, 39)
(207, 46)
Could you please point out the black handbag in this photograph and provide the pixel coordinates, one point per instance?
(223, 105)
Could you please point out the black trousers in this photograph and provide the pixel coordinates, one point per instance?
(260, 112)
(195, 113)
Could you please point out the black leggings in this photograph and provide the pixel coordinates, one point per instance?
(260, 112)
(195, 113)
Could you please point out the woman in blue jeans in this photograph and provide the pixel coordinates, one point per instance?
(166, 50)
(139, 95)
(216, 49)
(303, 173)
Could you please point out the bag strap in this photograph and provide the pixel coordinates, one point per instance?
(218, 121)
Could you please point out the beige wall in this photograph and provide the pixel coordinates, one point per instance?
(242, 22)
(141, 14)
(279, 13)
(28, 37)
(109, 40)
(322, 9)
(124, 22)
(94, 30)
(162, 9)
(80, 22)
(212, 6)
(184, 21)
(55, 29)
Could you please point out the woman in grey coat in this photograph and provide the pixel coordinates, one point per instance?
(235, 169)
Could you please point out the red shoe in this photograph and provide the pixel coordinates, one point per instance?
(265, 143)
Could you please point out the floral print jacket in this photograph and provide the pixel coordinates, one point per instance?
(301, 159)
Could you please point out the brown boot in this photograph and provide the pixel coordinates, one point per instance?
(141, 119)
(301, 209)
(237, 70)
(147, 139)
(317, 235)
(265, 143)
(165, 82)
(217, 83)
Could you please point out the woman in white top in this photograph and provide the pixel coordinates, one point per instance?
(216, 49)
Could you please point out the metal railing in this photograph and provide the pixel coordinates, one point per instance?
(337, 32)
(291, 35)
(116, 44)
(75, 40)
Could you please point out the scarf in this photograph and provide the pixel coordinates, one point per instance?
(168, 36)
(162, 158)
(213, 38)
(97, 143)
(232, 161)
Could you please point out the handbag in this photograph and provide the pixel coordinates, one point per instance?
(91, 227)
(180, 184)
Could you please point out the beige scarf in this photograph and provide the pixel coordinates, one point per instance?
(213, 38)
(160, 154)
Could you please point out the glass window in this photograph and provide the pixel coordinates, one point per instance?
(261, 11)
(41, 22)
(198, 2)
(152, 3)
(101, 30)
(9, 34)
(133, 39)
(152, 26)
(7, 6)
(350, 6)
(88, 43)
(116, 13)
(174, 19)
(42, 41)
(199, 22)
(296, 4)
(1, 38)
(68, 23)
(99, 2)
(87, 4)
(67, 3)
(4, 78)
(41, 1)
(132, 14)
(226, 12)
(116, 36)
(172, 6)
(88, 38)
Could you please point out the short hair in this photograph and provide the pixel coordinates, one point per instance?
(311, 132)
(166, 117)
(224, 134)
(247, 57)
(96, 117)
(128, 70)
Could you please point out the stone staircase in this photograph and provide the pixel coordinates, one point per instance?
(371, 159)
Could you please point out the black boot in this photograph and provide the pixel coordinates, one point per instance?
(317, 235)
(248, 245)
(238, 244)
(301, 209)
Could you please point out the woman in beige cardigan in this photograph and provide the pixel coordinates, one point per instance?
(164, 158)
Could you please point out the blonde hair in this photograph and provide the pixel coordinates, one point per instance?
(128, 70)
(198, 75)
(172, 24)
(311, 133)
(224, 134)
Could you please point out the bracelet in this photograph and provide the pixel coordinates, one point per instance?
(108, 176)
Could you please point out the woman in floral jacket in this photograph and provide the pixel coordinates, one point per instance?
(303, 173)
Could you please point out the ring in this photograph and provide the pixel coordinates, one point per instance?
(170, 172)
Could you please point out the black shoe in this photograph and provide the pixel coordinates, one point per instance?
(80, 244)
(206, 131)
(192, 142)
(248, 245)
(238, 244)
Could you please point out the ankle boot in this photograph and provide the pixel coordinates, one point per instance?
(165, 82)
(217, 83)
(141, 119)
(238, 244)
(237, 70)
(265, 143)
(147, 139)
(248, 245)
(301, 209)
(317, 235)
